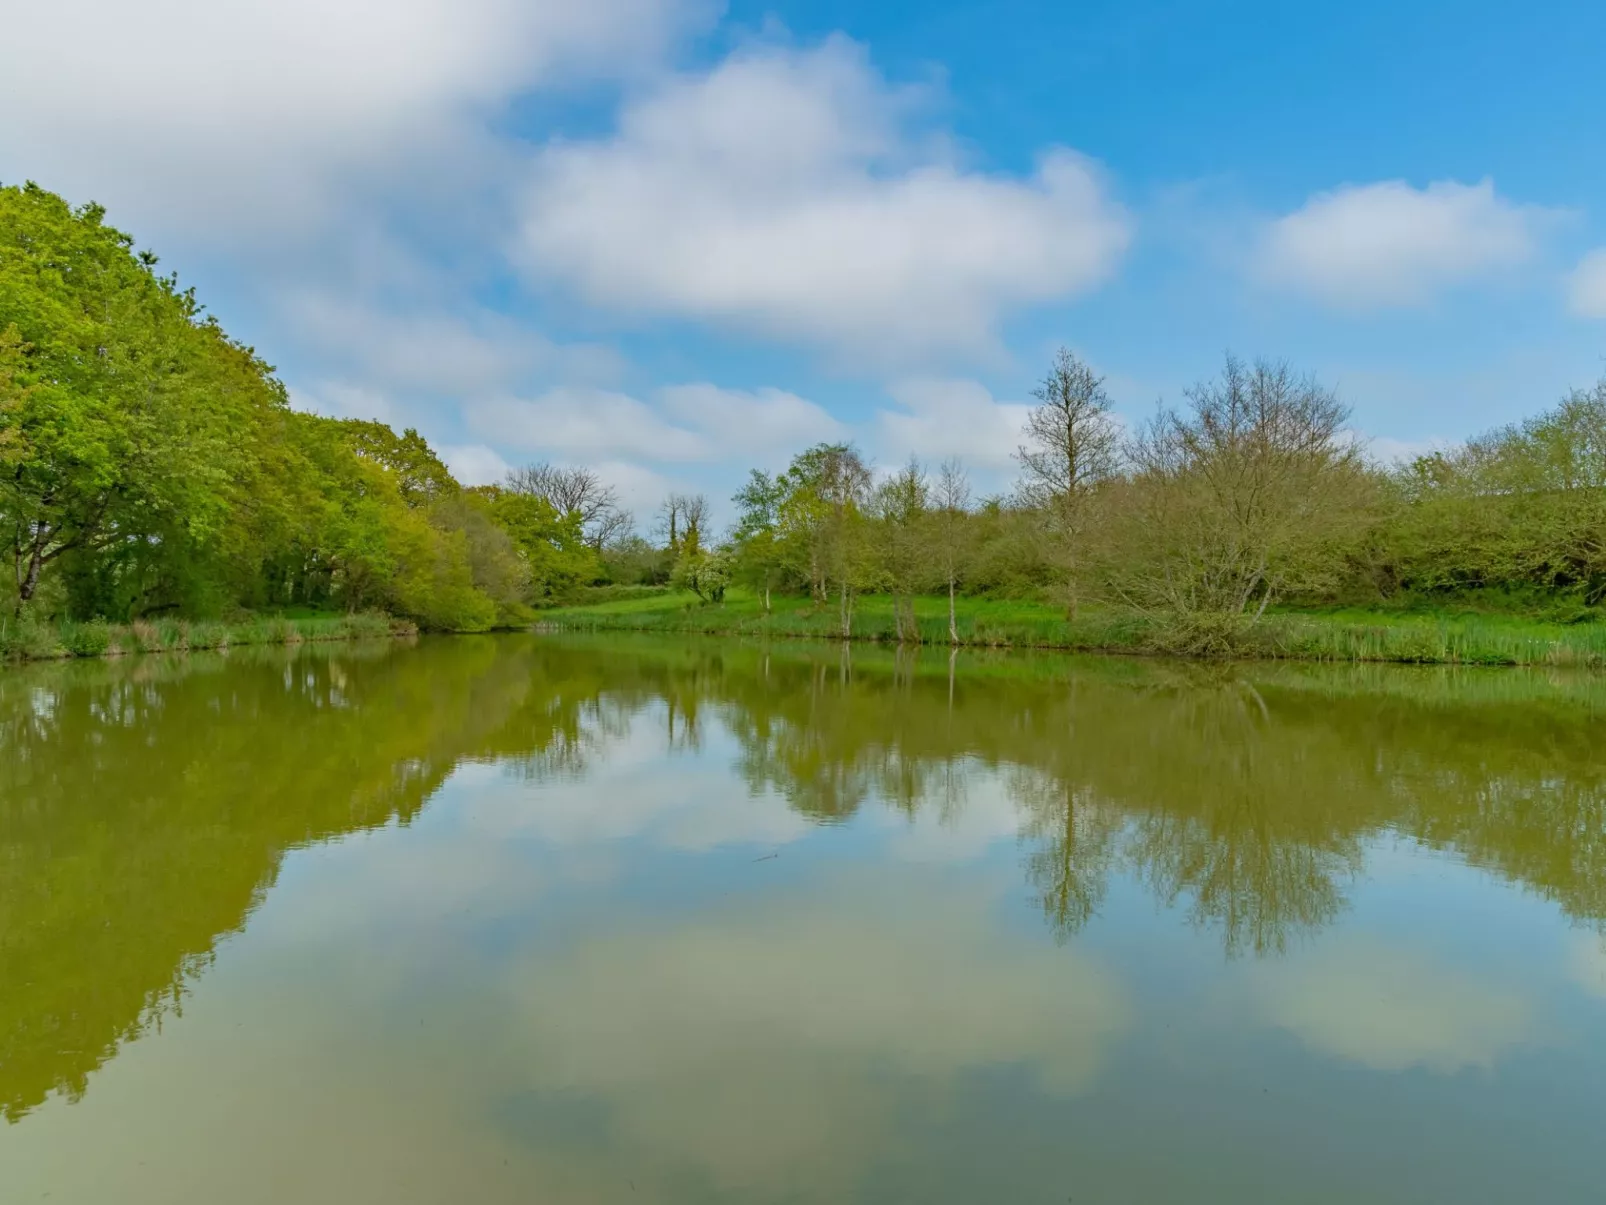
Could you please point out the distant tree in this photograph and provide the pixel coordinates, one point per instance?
(1237, 502)
(756, 540)
(950, 525)
(705, 573)
(575, 491)
(1073, 447)
(682, 522)
(899, 507)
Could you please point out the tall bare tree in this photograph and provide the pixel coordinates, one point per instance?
(1073, 446)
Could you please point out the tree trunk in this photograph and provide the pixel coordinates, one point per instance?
(766, 598)
(953, 626)
(30, 583)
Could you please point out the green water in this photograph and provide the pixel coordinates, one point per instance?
(523, 919)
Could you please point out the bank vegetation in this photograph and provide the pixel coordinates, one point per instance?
(154, 478)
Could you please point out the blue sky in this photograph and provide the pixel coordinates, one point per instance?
(673, 239)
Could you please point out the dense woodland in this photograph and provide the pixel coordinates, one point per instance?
(151, 465)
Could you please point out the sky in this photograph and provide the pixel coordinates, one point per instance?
(676, 239)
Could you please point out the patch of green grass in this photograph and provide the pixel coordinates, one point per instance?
(1350, 634)
(28, 639)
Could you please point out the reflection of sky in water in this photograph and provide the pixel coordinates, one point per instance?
(645, 980)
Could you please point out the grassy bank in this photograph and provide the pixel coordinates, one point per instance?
(1412, 637)
(27, 640)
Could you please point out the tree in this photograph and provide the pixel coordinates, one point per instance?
(552, 545)
(1241, 501)
(827, 488)
(899, 507)
(125, 411)
(681, 521)
(575, 491)
(1073, 446)
(706, 574)
(949, 523)
(421, 477)
(758, 556)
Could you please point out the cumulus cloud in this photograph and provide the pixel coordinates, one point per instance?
(938, 418)
(787, 193)
(216, 113)
(475, 464)
(1586, 291)
(1389, 244)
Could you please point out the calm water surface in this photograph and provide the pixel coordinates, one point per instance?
(536, 920)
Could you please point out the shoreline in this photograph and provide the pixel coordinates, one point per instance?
(1497, 642)
(24, 644)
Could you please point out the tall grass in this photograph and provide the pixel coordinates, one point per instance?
(27, 639)
(1348, 637)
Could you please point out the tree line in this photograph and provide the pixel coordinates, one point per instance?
(1252, 494)
(149, 463)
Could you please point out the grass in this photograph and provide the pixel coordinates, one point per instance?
(27, 639)
(1348, 635)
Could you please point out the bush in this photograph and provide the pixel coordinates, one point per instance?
(25, 637)
(86, 639)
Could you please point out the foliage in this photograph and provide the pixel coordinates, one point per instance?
(705, 574)
(151, 467)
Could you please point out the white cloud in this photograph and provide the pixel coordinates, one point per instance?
(474, 464)
(943, 418)
(785, 193)
(1389, 244)
(238, 111)
(1390, 1009)
(685, 424)
(758, 423)
(584, 424)
(1586, 291)
(423, 350)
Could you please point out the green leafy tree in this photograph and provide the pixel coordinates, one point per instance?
(758, 558)
(126, 406)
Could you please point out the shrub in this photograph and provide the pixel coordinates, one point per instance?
(86, 639)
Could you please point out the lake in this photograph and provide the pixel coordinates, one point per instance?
(545, 919)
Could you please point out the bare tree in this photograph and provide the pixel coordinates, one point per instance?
(613, 528)
(1239, 502)
(951, 531)
(1073, 446)
(575, 491)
